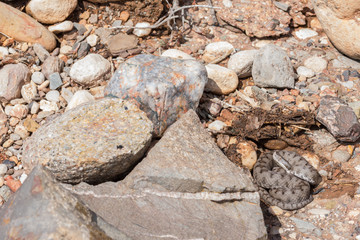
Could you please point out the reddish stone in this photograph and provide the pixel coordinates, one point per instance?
(13, 184)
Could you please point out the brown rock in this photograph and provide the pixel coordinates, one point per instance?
(31, 125)
(339, 19)
(22, 27)
(51, 65)
(122, 42)
(12, 78)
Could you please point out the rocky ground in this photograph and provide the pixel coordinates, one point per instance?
(247, 107)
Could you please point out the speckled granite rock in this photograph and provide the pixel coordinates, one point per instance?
(339, 119)
(185, 188)
(94, 142)
(164, 88)
(42, 209)
(272, 68)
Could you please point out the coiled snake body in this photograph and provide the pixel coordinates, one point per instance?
(284, 179)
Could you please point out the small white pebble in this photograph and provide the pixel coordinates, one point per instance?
(142, 31)
(23, 177)
(3, 169)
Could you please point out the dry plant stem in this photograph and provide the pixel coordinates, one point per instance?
(167, 18)
(4, 35)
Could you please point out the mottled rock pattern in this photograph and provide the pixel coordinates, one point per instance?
(51, 65)
(42, 209)
(339, 119)
(12, 78)
(94, 142)
(272, 68)
(164, 88)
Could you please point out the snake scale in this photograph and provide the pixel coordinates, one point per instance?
(285, 179)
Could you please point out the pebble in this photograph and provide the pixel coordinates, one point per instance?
(66, 94)
(306, 227)
(144, 31)
(5, 192)
(65, 26)
(283, 6)
(217, 51)
(12, 183)
(83, 49)
(35, 106)
(97, 92)
(340, 156)
(80, 97)
(21, 130)
(117, 23)
(38, 77)
(174, 53)
(221, 80)
(30, 125)
(66, 49)
(53, 96)
(23, 177)
(48, 106)
(9, 164)
(52, 65)
(41, 52)
(3, 169)
(93, 18)
(241, 62)
(19, 111)
(305, 33)
(248, 154)
(90, 70)
(12, 76)
(29, 91)
(92, 40)
(44, 114)
(50, 11)
(55, 81)
(217, 125)
(321, 212)
(3, 52)
(14, 137)
(8, 143)
(317, 64)
(2, 181)
(305, 72)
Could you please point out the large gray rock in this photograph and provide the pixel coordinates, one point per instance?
(42, 209)
(184, 189)
(12, 78)
(272, 68)
(93, 142)
(164, 88)
(339, 119)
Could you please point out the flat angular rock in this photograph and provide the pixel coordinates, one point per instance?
(24, 28)
(272, 68)
(164, 88)
(339, 119)
(51, 65)
(185, 188)
(12, 78)
(42, 209)
(94, 142)
(186, 159)
(122, 42)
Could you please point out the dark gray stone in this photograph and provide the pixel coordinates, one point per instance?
(272, 68)
(339, 119)
(164, 88)
(42, 209)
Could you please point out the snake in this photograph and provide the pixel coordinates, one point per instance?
(284, 179)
